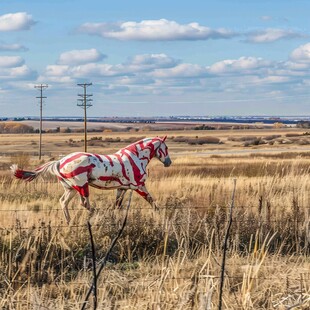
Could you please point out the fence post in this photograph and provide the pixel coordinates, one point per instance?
(93, 251)
(104, 261)
(225, 246)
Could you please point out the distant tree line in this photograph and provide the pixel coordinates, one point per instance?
(303, 124)
(14, 127)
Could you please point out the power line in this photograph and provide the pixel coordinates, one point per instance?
(85, 103)
(41, 97)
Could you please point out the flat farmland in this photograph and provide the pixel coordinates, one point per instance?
(171, 258)
(290, 139)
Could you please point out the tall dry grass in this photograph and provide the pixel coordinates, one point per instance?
(167, 259)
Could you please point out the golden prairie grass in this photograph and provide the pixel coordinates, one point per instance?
(168, 259)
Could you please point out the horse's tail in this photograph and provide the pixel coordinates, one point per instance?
(50, 167)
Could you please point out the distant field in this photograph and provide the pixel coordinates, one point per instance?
(180, 125)
(107, 125)
(202, 141)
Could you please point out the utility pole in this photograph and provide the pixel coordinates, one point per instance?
(85, 103)
(41, 87)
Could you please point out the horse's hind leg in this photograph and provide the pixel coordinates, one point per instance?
(120, 194)
(84, 194)
(64, 201)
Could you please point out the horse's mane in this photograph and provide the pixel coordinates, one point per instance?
(133, 147)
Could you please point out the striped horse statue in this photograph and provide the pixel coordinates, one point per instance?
(126, 169)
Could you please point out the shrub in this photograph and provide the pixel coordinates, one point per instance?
(289, 135)
(132, 139)
(242, 139)
(271, 137)
(257, 141)
(204, 140)
(96, 138)
(204, 127)
(112, 140)
(181, 139)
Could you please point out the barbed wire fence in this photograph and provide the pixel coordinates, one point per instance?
(303, 278)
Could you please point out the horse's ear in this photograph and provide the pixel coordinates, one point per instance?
(164, 138)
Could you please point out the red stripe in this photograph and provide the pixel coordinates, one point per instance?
(152, 149)
(123, 166)
(77, 171)
(143, 194)
(107, 178)
(162, 152)
(133, 147)
(83, 190)
(114, 179)
(24, 175)
(136, 171)
(68, 160)
(109, 159)
(99, 157)
(145, 158)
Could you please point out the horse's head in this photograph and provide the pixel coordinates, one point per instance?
(162, 152)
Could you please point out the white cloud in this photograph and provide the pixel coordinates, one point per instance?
(97, 70)
(272, 34)
(92, 70)
(297, 66)
(77, 57)
(243, 65)
(17, 73)
(181, 71)
(301, 54)
(135, 65)
(273, 79)
(12, 47)
(148, 73)
(16, 21)
(151, 30)
(151, 59)
(57, 70)
(135, 80)
(168, 30)
(14, 68)
(11, 61)
(146, 62)
(56, 79)
(21, 71)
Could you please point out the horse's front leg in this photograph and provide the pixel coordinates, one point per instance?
(85, 202)
(142, 191)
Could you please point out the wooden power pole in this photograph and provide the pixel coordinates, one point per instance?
(85, 103)
(41, 97)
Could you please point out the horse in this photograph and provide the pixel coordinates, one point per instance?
(123, 170)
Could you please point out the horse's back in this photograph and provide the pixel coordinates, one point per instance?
(73, 159)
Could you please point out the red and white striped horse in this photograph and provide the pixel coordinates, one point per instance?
(126, 169)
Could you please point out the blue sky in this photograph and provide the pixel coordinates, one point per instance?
(147, 58)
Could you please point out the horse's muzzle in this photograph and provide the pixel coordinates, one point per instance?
(167, 162)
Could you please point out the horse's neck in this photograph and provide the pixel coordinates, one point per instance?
(144, 151)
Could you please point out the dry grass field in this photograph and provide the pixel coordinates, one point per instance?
(170, 259)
